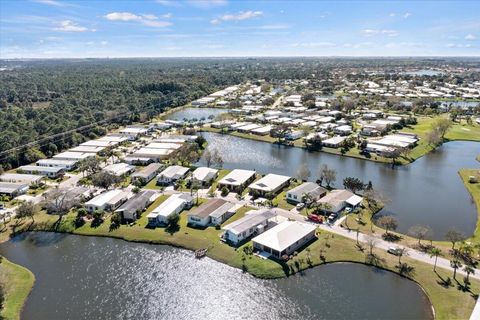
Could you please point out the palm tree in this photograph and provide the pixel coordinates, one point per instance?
(455, 264)
(435, 252)
(468, 270)
(401, 252)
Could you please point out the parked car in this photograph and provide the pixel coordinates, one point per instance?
(394, 251)
(348, 209)
(315, 218)
(332, 217)
(300, 206)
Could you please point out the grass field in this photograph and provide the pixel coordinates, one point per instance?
(474, 190)
(18, 283)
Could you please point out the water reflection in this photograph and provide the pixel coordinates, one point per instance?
(102, 278)
(428, 191)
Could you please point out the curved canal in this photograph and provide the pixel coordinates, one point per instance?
(102, 278)
(428, 191)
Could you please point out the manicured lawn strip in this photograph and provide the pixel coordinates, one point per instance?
(474, 190)
(221, 174)
(281, 201)
(18, 284)
(152, 184)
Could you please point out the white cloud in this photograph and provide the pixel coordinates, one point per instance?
(393, 14)
(166, 15)
(470, 37)
(149, 20)
(122, 16)
(459, 45)
(406, 15)
(242, 15)
(374, 32)
(104, 43)
(70, 26)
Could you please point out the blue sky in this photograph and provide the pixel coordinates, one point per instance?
(162, 28)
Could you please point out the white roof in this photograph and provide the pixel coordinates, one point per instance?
(270, 182)
(237, 177)
(284, 235)
(204, 173)
(113, 138)
(354, 200)
(250, 220)
(105, 197)
(89, 149)
(20, 177)
(163, 145)
(167, 207)
(56, 161)
(119, 168)
(133, 130)
(67, 155)
(99, 143)
(249, 127)
(334, 140)
(174, 171)
(40, 169)
(152, 152)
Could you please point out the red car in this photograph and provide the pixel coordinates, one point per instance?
(315, 218)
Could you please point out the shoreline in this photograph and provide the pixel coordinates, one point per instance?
(347, 254)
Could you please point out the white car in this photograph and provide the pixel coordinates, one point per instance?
(300, 206)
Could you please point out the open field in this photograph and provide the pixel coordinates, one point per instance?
(18, 283)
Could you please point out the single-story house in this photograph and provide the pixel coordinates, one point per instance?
(202, 216)
(204, 175)
(29, 179)
(295, 195)
(343, 130)
(113, 138)
(13, 189)
(334, 142)
(54, 163)
(51, 172)
(151, 154)
(131, 209)
(252, 223)
(223, 213)
(339, 199)
(119, 169)
(173, 205)
(270, 184)
(132, 133)
(237, 180)
(285, 238)
(171, 174)
(99, 143)
(108, 200)
(294, 135)
(76, 156)
(87, 149)
(147, 173)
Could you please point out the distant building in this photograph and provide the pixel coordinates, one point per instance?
(29, 179)
(50, 172)
(12, 189)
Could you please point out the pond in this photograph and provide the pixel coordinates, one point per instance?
(428, 191)
(103, 278)
(195, 113)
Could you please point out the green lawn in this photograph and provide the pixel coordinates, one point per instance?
(221, 174)
(474, 190)
(18, 283)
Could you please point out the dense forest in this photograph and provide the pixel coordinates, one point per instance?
(49, 100)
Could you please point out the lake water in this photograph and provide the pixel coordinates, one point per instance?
(102, 278)
(195, 113)
(427, 192)
(423, 72)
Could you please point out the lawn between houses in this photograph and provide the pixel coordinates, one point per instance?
(449, 302)
(18, 283)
